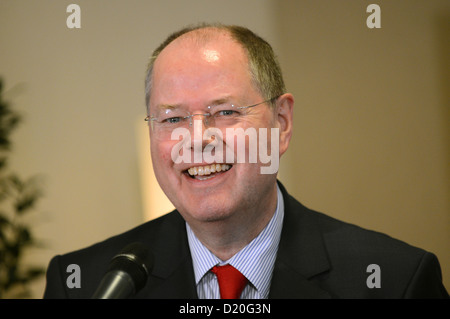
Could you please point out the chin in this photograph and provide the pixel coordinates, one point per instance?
(207, 212)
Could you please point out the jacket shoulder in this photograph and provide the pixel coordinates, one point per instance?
(361, 263)
(93, 261)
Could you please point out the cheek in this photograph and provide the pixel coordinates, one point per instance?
(161, 154)
(245, 141)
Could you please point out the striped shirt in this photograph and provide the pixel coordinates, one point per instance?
(255, 261)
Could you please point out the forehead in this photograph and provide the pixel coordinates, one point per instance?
(226, 101)
(206, 66)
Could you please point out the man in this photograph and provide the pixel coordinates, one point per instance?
(216, 86)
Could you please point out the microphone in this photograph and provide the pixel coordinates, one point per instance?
(127, 273)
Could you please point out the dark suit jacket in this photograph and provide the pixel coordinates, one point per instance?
(318, 257)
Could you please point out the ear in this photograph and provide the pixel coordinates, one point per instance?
(285, 114)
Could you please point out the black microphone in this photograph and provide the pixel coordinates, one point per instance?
(127, 273)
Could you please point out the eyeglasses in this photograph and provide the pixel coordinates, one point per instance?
(220, 116)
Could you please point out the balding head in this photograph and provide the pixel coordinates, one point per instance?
(262, 64)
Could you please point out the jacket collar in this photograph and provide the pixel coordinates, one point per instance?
(172, 275)
(301, 254)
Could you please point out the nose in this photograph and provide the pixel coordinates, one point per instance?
(206, 117)
(203, 137)
(197, 128)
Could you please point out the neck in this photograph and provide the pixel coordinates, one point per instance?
(224, 238)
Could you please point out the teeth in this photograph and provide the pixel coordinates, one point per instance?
(208, 169)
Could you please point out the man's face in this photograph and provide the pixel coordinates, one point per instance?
(191, 76)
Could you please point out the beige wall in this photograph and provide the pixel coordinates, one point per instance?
(371, 142)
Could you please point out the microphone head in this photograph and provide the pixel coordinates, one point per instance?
(137, 261)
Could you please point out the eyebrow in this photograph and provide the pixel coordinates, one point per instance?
(222, 100)
(168, 106)
(219, 101)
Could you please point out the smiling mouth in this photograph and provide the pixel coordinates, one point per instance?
(207, 171)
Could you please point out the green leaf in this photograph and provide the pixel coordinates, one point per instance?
(22, 205)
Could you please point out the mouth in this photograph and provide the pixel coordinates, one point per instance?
(205, 172)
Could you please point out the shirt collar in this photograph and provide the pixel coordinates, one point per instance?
(255, 261)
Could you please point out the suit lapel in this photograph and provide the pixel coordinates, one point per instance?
(301, 255)
(173, 274)
(180, 284)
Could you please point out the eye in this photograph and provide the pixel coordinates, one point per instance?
(173, 120)
(227, 113)
(225, 110)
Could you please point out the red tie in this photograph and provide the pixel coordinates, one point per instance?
(231, 281)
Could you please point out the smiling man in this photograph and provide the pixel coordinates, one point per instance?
(236, 232)
(198, 72)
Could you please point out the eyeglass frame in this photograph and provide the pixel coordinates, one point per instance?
(149, 118)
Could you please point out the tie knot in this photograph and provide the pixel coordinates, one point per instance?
(231, 281)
